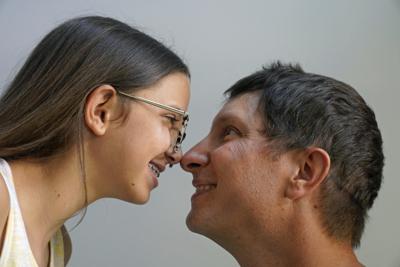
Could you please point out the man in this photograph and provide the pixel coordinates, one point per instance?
(288, 171)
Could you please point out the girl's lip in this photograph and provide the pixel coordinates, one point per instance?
(155, 181)
(153, 178)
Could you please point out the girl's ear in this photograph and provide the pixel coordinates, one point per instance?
(314, 168)
(101, 105)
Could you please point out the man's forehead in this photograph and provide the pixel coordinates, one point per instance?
(244, 107)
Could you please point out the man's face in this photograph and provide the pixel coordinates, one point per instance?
(240, 185)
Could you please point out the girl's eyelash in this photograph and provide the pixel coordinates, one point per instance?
(171, 118)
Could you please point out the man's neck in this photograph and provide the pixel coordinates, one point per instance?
(301, 245)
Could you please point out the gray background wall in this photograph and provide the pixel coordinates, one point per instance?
(355, 41)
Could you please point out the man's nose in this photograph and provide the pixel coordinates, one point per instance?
(195, 158)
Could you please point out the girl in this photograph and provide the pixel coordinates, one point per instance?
(97, 110)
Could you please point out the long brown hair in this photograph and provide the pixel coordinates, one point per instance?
(41, 111)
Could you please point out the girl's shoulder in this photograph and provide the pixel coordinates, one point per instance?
(4, 209)
(67, 244)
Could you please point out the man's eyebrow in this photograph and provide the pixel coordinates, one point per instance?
(227, 116)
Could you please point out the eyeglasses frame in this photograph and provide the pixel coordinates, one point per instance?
(184, 114)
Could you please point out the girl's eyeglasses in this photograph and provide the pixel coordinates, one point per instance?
(176, 145)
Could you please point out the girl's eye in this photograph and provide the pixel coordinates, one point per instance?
(172, 119)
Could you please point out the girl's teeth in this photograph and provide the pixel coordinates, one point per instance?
(154, 169)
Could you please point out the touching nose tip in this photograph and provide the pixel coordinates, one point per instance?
(174, 157)
(193, 160)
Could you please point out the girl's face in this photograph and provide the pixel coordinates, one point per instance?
(136, 151)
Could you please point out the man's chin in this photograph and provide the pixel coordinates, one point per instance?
(190, 222)
(200, 224)
(194, 223)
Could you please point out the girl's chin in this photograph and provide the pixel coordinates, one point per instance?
(142, 197)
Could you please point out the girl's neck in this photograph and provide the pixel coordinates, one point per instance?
(49, 192)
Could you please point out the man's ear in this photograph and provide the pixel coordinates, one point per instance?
(314, 165)
(101, 105)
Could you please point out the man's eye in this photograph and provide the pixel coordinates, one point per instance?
(230, 132)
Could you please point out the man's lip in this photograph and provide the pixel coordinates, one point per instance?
(197, 183)
(199, 193)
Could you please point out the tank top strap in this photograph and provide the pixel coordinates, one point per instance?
(5, 172)
(16, 248)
